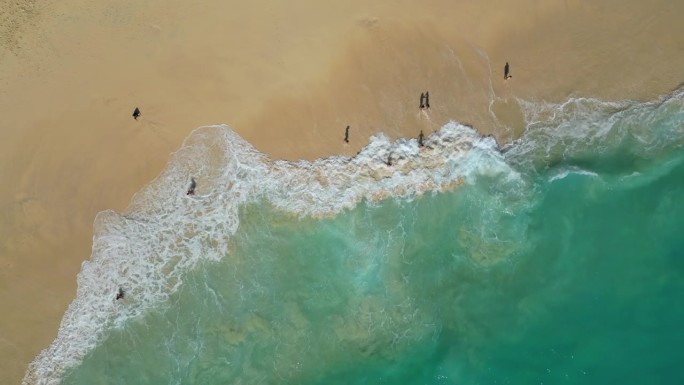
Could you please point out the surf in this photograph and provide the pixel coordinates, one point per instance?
(164, 232)
(166, 236)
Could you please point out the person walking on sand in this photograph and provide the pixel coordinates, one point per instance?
(507, 72)
(346, 134)
(427, 99)
(136, 113)
(422, 104)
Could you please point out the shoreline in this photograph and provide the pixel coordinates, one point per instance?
(445, 163)
(341, 182)
(288, 78)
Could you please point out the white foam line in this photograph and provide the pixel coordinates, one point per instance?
(572, 170)
(492, 95)
(460, 65)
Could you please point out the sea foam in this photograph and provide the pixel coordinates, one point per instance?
(164, 232)
(579, 127)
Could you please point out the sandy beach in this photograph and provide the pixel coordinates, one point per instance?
(287, 77)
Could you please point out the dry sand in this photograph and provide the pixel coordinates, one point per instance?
(288, 76)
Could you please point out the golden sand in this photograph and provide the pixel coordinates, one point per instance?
(287, 76)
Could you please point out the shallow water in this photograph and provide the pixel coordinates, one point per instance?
(559, 261)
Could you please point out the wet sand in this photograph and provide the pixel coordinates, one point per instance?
(287, 77)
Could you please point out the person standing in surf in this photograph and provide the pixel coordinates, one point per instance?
(120, 294)
(193, 185)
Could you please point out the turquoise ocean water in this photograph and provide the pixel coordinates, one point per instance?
(558, 259)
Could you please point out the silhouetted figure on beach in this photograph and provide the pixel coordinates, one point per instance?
(193, 185)
(427, 99)
(120, 294)
(422, 103)
(389, 160)
(136, 113)
(506, 72)
(346, 134)
(420, 139)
